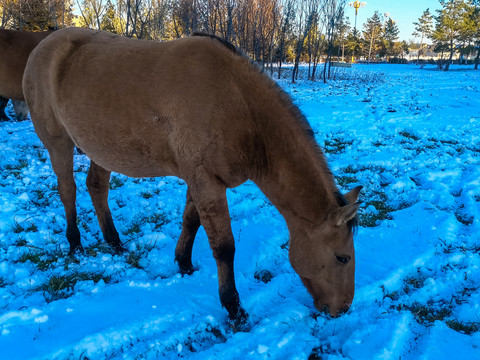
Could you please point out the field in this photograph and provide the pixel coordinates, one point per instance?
(410, 136)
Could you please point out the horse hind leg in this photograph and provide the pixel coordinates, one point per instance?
(60, 149)
(3, 105)
(21, 110)
(191, 223)
(98, 182)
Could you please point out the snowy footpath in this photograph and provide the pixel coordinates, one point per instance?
(410, 136)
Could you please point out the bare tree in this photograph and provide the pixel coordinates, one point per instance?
(92, 12)
(334, 10)
(306, 13)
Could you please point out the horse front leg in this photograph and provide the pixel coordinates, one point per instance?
(191, 223)
(209, 195)
(98, 184)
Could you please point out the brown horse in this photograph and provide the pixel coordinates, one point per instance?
(196, 109)
(15, 48)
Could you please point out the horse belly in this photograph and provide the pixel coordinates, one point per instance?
(138, 152)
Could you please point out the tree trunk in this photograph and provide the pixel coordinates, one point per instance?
(421, 44)
(447, 65)
(477, 58)
(297, 59)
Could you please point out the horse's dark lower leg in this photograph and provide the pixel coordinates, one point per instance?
(61, 155)
(21, 110)
(211, 203)
(98, 185)
(3, 105)
(191, 223)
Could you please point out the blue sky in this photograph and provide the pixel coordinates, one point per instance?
(405, 12)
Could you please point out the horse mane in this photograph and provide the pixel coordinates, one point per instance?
(224, 42)
(305, 128)
(287, 101)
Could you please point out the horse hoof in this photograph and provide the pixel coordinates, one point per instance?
(240, 323)
(119, 249)
(188, 270)
(76, 249)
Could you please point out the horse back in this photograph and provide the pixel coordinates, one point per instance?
(159, 108)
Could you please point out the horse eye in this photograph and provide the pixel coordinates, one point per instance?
(343, 260)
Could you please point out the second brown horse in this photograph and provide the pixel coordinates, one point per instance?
(15, 48)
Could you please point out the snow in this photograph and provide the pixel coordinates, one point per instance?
(410, 136)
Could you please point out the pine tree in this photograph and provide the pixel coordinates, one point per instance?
(423, 29)
(109, 19)
(452, 26)
(390, 36)
(476, 35)
(372, 30)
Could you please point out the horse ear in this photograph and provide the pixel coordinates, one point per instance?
(352, 196)
(346, 213)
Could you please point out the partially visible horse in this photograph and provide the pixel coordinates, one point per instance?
(197, 109)
(15, 47)
(20, 109)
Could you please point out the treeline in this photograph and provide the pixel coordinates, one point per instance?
(454, 29)
(271, 32)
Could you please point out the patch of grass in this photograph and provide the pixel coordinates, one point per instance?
(116, 182)
(350, 169)
(31, 227)
(412, 282)
(102, 247)
(16, 169)
(336, 145)
(17, 228)
(464, 328)
(133, 229)
(133, 259)
(409, 135)
(41, 259)
(319, 352)
(21, 242)
(146, 195)
(464, 218)
(263, 276)
(40, 199)
(345, 180)
(61, 286)
(383, 212)
(158, 219)
(427, 315)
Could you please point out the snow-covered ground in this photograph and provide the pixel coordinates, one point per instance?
(411, 136)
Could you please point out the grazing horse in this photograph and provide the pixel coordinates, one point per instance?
(197, 109)
(15, 47)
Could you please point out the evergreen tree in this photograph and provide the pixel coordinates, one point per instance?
(452, 26)
(476, 33)
(423, 29)
(390, 36)
(109, 20)
(372, 31)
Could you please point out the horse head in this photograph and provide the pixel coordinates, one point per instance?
(323, 255)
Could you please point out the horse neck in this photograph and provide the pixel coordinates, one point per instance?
(297, 180)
